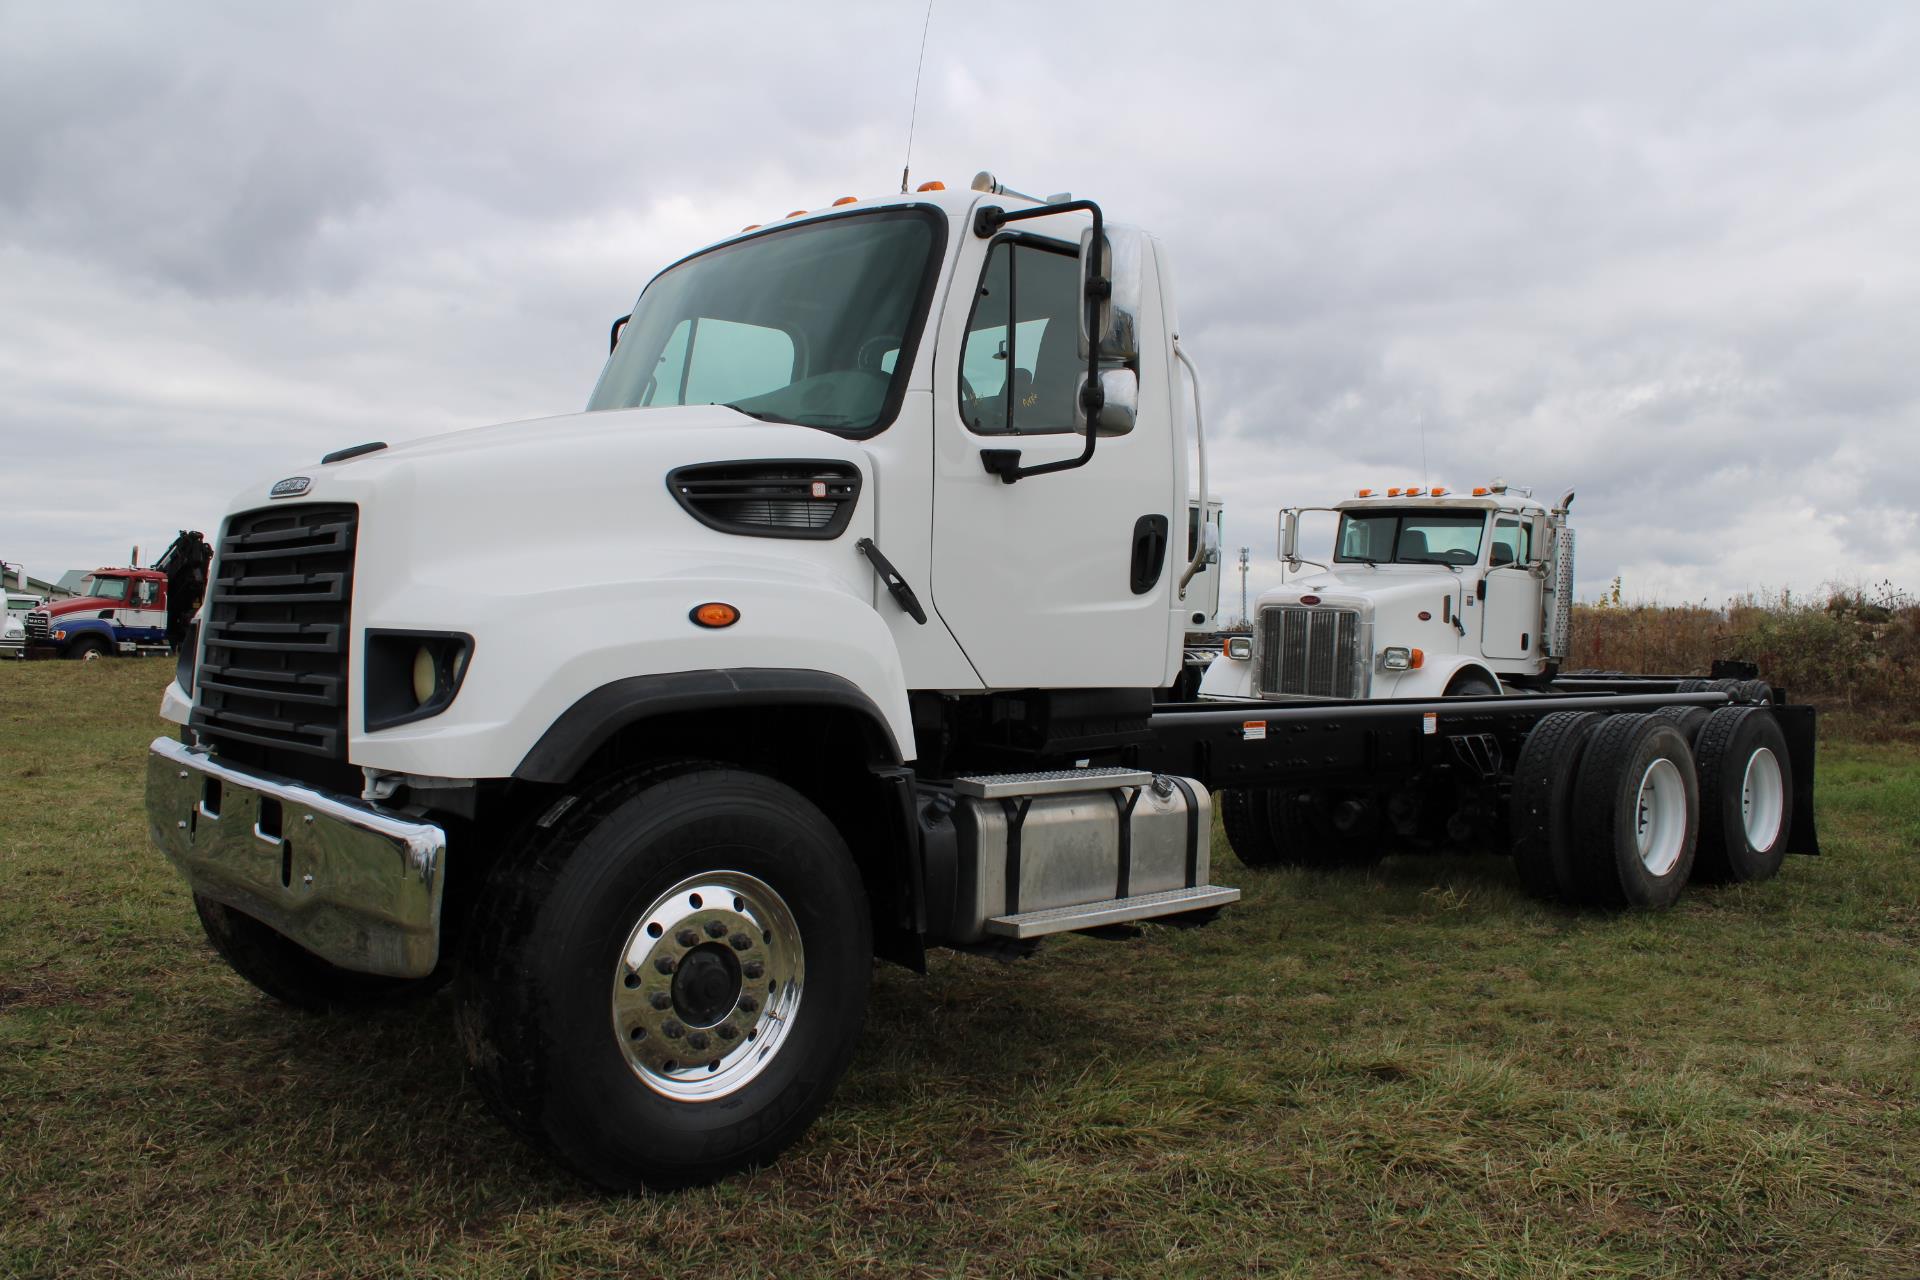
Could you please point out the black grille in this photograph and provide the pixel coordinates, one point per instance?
(38, 627)
(799, 499)
(1309, 652)
(273, 669)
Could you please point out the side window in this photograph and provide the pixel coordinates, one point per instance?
(1512, 543)
(709, 361)
(1020, 367)
(145, 591)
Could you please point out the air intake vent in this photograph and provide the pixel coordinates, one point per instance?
(762, 499)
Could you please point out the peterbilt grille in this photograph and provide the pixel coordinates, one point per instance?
(1313, 653)
(38, 627)
(273, 665)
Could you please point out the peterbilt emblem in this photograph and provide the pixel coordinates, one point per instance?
(291, 487)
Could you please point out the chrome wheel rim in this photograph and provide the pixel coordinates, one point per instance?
(1660, 817)
(1762, 799)
(707, 985)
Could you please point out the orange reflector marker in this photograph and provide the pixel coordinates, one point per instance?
(796, 213)
(1479, 491)
(931, 186)
(844, 200)
(751, 226)
(1394, 492)
(715, 614)
(1415, 658)
(1439, 492)
(1364, 493)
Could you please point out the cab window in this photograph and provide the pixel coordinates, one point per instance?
(1020, 367)
(1512, 542)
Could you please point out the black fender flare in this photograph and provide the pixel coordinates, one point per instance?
(585, 727)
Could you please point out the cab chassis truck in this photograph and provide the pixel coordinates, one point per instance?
(856, 579)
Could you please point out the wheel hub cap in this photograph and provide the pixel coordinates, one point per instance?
(707, 985)
(1762, 799)
(1660, 817)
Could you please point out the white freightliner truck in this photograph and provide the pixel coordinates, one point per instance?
(857, 576)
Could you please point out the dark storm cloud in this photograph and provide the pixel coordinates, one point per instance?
(1661, 255)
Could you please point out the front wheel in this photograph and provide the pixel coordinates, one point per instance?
(666, 985)
(87, 649)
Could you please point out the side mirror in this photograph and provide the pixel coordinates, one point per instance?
(1538, 540)
(1210, 539)
(1120, 264)
(1121, 387)
(1290, 536)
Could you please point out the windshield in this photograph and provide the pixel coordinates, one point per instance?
(814, 325)
(105, 588)
(1410, 537)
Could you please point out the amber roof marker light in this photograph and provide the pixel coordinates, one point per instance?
(714, 615)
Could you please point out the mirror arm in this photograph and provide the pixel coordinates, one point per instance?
(613, 338)
(1005, 463)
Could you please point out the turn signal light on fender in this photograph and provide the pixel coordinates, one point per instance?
(714, 614)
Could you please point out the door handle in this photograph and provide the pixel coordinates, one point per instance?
(1149, 551)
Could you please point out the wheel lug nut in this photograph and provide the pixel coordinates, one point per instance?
(686, 938)
(748, 1004)
(664, 964)
(754, 969)
(671, 1029)
(716, 928)
(725, 1031)
(662, 1001)
(697, 1040)
(740, 942)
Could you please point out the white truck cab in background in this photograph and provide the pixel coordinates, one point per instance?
(1428, 593)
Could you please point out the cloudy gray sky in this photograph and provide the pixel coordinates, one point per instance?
(1663, 254)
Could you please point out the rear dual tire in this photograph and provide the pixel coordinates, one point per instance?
(1746, 787)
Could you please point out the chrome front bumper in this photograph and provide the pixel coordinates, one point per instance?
(355, 886)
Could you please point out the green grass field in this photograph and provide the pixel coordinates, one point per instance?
(1410, 1072)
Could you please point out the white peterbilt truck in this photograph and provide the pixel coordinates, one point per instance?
(859, 579)
(1430, 593)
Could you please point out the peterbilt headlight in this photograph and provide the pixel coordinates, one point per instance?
(413, 674)
(1239, 648)
(1397, 657)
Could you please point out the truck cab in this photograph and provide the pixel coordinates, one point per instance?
(118, 611)
(1427, 593)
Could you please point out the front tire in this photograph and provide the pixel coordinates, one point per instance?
(666, 984)
(87, 649)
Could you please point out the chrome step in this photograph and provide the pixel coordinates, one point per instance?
(1048, 782)
(1091, 915)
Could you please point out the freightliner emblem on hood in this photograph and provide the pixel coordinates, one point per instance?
(291, 487)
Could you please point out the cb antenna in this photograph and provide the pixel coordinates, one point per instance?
(1422, 420)
(913, 114)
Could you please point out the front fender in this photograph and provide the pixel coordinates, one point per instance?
(1432, 678)
(529, 670)
(1227, 678)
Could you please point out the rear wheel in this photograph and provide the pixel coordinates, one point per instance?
(666, 985)
(293, 975)
(1635, 814)
(1541, 807)
(1327, 829)
(1746, 795)
(1243, 813)
(1686, 719)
